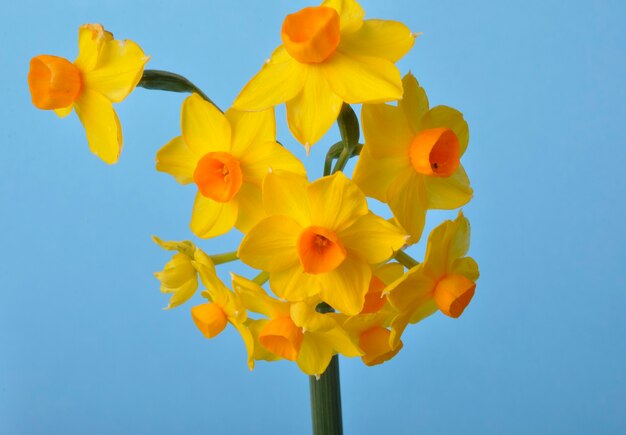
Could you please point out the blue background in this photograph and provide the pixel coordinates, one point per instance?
(86, 348)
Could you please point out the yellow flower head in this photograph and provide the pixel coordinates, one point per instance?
(180, 276)
(411, 157)
(329, 55)
(295, 331)
(445, 281)
(319, 239)
(226, 156)
(105, 72)
(224, 307)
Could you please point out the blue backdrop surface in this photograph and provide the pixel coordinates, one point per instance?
(86, 348)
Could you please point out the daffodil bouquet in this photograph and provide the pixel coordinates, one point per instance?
(333, 277)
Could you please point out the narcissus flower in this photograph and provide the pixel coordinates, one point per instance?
(411, 157)
(319, 239)
(295, 331)
(375, 298)
(329, 55)
(226, 156)
(445, 281)
(224, 307)
(105, 72)
(180, 276)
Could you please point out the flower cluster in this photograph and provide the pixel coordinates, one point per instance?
(333, 277)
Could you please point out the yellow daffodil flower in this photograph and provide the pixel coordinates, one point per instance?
(445, 281)
(295, 331)
(224, 307)
(105, 72)
(319, 239)
(411, 157)
(179, 276)
(226, 156)
(329, 55)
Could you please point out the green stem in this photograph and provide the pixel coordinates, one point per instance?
(226, 257)
(326, 395)
(406, 260)
(326, 401)
(261, 278)
(168, 81)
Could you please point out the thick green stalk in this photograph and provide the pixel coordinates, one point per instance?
(326, 395)
(168, 81)
(326, 401)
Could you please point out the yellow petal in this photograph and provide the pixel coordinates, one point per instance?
(336, 202)
(249, 129)
(375, 176)
(446, 243)
(447, 117)
(304, 315)
(285, 194)
(314, 110)
(387, 132)
(345, 287)
(361, 79)
(315, 354)
(62, 113)
(271, 244)
(248, 341)
(205, 129)
(414, 102)
(342, 343)
(280, 80)
(389, 272)
(467, 267)
(351, 14)
(118, 69)
(373, 238)
(407, 201)
(390, 40)
(265, 156)
(102, 126)
(178, 160)
(448, 193)
(91, 39)
(411, 289)
(257, 300)
(293, 284)
(211, 218)
(184, 247)
(250, 207)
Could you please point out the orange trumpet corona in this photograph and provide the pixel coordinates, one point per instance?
(312, 34)
(320, 250)
(435, 152)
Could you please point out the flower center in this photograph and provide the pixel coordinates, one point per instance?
(54, 82)
(218, 176)
(453, 293)
(312, 34)
(374, 299)
(209, 318)
(282, 337)
(435, 152)
(320, 250)
(375, 343)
